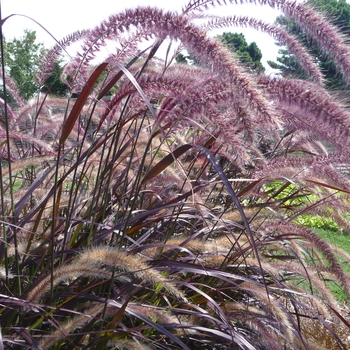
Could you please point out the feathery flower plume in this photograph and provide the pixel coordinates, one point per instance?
(318, 109)
(11, 87)
(89, 264)
(129, 263)
(178, 27)
(47, 64)
(281, 35)
(70, 326)
(319, 28)
(65, 273)
(317, 242)
(314, 23)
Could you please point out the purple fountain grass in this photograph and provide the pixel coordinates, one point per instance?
(314, 23)
(204, 101)
(310, 105)
(47, 64)
(312, 276)
(279, 34)
(13, 90)
(307, 169)
(177, 27)
(89, 264)
(168, 209)
(326, 34)
(31, 141)
(9, 111)
(288, 230)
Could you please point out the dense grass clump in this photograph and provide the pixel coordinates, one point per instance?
(172, 214)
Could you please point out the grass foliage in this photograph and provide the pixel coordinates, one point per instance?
(172, 214)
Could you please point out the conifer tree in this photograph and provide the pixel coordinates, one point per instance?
(338, 12)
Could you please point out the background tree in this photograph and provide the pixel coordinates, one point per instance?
(249, 54)
(338, 11)
(53, 84)
(22, 57)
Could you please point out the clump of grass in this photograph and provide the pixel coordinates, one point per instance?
(167, 217)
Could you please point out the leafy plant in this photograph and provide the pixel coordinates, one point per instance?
(167, 216)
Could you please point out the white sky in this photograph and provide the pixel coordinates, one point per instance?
(63, 17)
